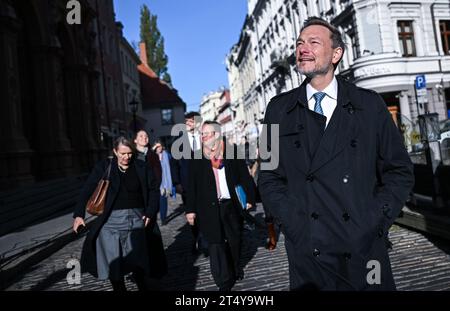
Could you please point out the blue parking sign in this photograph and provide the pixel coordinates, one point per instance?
(420, 82)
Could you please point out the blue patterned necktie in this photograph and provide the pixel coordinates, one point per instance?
(318, 97)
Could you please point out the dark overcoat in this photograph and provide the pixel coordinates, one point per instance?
(179, 164)
(202, 194)
(337, 191)
(150, 190)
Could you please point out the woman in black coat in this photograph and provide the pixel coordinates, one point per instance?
(117, 243)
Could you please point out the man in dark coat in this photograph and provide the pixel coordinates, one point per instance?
(343, 173)
(213, 203)
(190, 147)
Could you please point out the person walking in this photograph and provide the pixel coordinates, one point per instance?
(214, 204)
(166, 180)
(343, 172)
(116, 245)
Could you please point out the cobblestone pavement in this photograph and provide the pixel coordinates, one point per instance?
(419, 263)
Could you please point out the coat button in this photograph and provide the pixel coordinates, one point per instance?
(316, 252)
(347, 256)
(345, 179)
(213, 203)
(353, 143)
(297, 144)
(300, 127)
(310, 177)
(346, 216)
(314, 216)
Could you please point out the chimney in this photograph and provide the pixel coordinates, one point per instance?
(143, 53)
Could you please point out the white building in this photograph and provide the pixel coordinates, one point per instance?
(129, 61)
(210, 105)
(389, 44)
(261, 64)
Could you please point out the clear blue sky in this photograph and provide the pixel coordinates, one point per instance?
(198, 34)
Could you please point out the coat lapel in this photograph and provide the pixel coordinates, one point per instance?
(293, 130)
(114, 184)
(340, 130)
(140, 171)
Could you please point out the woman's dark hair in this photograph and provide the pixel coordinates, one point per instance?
(123, 141)
(138, 131)
(159, 141)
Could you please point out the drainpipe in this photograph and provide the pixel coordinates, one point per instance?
(258, 47)
(100, 42)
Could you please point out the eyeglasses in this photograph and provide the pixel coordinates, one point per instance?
(208, 133)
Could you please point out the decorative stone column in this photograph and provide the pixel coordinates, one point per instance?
(54, 148)
(15, 154)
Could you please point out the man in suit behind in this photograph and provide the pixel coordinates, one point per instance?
(180, 168)
(213, 203)
(343, 173)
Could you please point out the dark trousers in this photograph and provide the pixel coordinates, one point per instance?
(224, 257)
(163, 207)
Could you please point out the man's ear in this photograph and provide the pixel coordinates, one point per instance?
(337, 55)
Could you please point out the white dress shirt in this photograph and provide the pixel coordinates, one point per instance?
(328, 103)
(224, 192)
(191, 141)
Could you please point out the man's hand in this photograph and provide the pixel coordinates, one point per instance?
(146, 220)
(78, 221)
(249, 206)
(190, 217)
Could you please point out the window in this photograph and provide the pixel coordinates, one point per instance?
(352, 40)
(354, 45)
(445, 36)
(406, 38)
(167, 116)
(447, 100)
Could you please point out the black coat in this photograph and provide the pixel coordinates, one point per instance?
(202, 194)
(181, 159)
(336, 192)
(150, 190)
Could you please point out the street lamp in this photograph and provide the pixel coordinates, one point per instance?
(134, 106)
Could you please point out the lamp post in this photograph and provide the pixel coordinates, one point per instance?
(134, 106)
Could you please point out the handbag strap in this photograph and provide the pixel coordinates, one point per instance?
(108, 169)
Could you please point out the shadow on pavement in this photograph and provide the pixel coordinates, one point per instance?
(182, 272)
(252, 239)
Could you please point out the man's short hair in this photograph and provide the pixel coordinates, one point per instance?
(215, 124)
(336, 36)
(191, 115)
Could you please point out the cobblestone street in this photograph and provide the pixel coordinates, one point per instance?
(419, 263)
